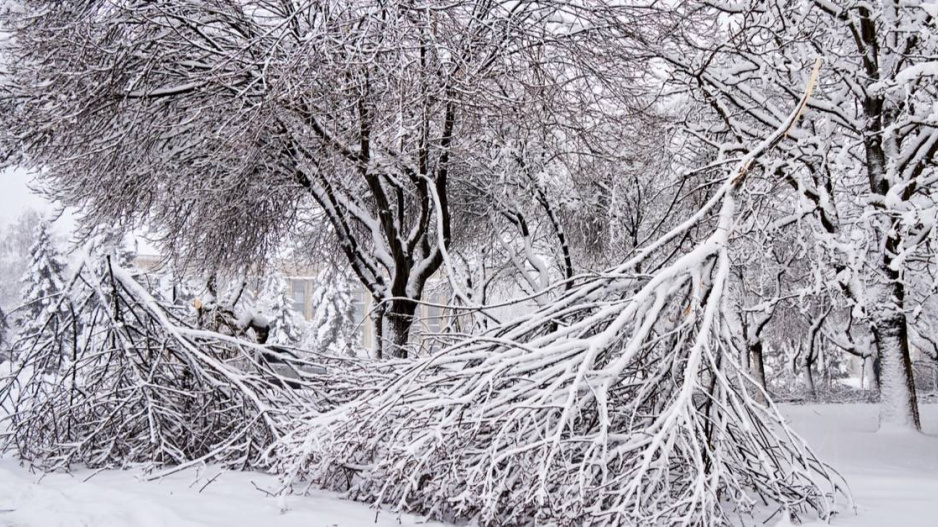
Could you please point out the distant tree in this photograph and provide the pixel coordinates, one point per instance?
(44, 284)
(333, 327)
(4, 334)
(15, 241)
(286, 325)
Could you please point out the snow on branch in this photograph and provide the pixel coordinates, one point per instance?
(127, 379)
(622, 403)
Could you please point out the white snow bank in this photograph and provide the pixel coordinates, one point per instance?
(119, 499)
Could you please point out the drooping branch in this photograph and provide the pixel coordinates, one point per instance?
(622, 403)
(142, 384)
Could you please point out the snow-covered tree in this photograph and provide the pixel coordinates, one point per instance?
(863, 170)
(16, 239)
(4, 334)
(44, 285)
(333, 326)
(145, 385)
(621, 403)
(286, 326)
(366, 116)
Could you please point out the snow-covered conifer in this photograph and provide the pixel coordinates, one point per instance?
(43, 284)
(286, 325)
(333, 326)
(4, 333)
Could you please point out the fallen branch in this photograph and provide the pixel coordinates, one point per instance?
(621, 403)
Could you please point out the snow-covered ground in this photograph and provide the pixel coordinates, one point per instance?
(894, 478)
(121, 499)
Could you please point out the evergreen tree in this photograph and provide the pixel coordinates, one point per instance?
(16, 238)
(286, 325)
(43, 284)
(4, 335)
(333, 327)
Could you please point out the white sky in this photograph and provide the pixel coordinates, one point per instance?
(16, 197)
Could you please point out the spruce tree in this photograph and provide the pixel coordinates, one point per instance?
(4, 335)
(44, 285)
(333, 326)
(286, 325)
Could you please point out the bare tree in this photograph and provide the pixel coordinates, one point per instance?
(620, 403)
(868, 135)
(223, 125)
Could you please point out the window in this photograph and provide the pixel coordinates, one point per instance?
(358, 301)
(252, 292)
(434, 319)
(298, 294)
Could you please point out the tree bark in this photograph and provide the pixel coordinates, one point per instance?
(898, 402)
(399, 319)
(809, 378)
(758, 366)
(377, 321)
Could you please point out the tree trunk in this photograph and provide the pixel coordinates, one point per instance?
(758, 366)
(377, 322)
(898, 403)
(399, 319)
(809, 378)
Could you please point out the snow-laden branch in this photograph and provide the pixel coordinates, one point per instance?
(621, 403)
(125, 379)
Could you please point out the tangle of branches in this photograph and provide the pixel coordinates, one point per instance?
(622, 403)
(126, 378)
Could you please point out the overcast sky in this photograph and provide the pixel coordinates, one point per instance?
(16, 198)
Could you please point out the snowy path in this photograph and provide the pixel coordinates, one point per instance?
(894, 479)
